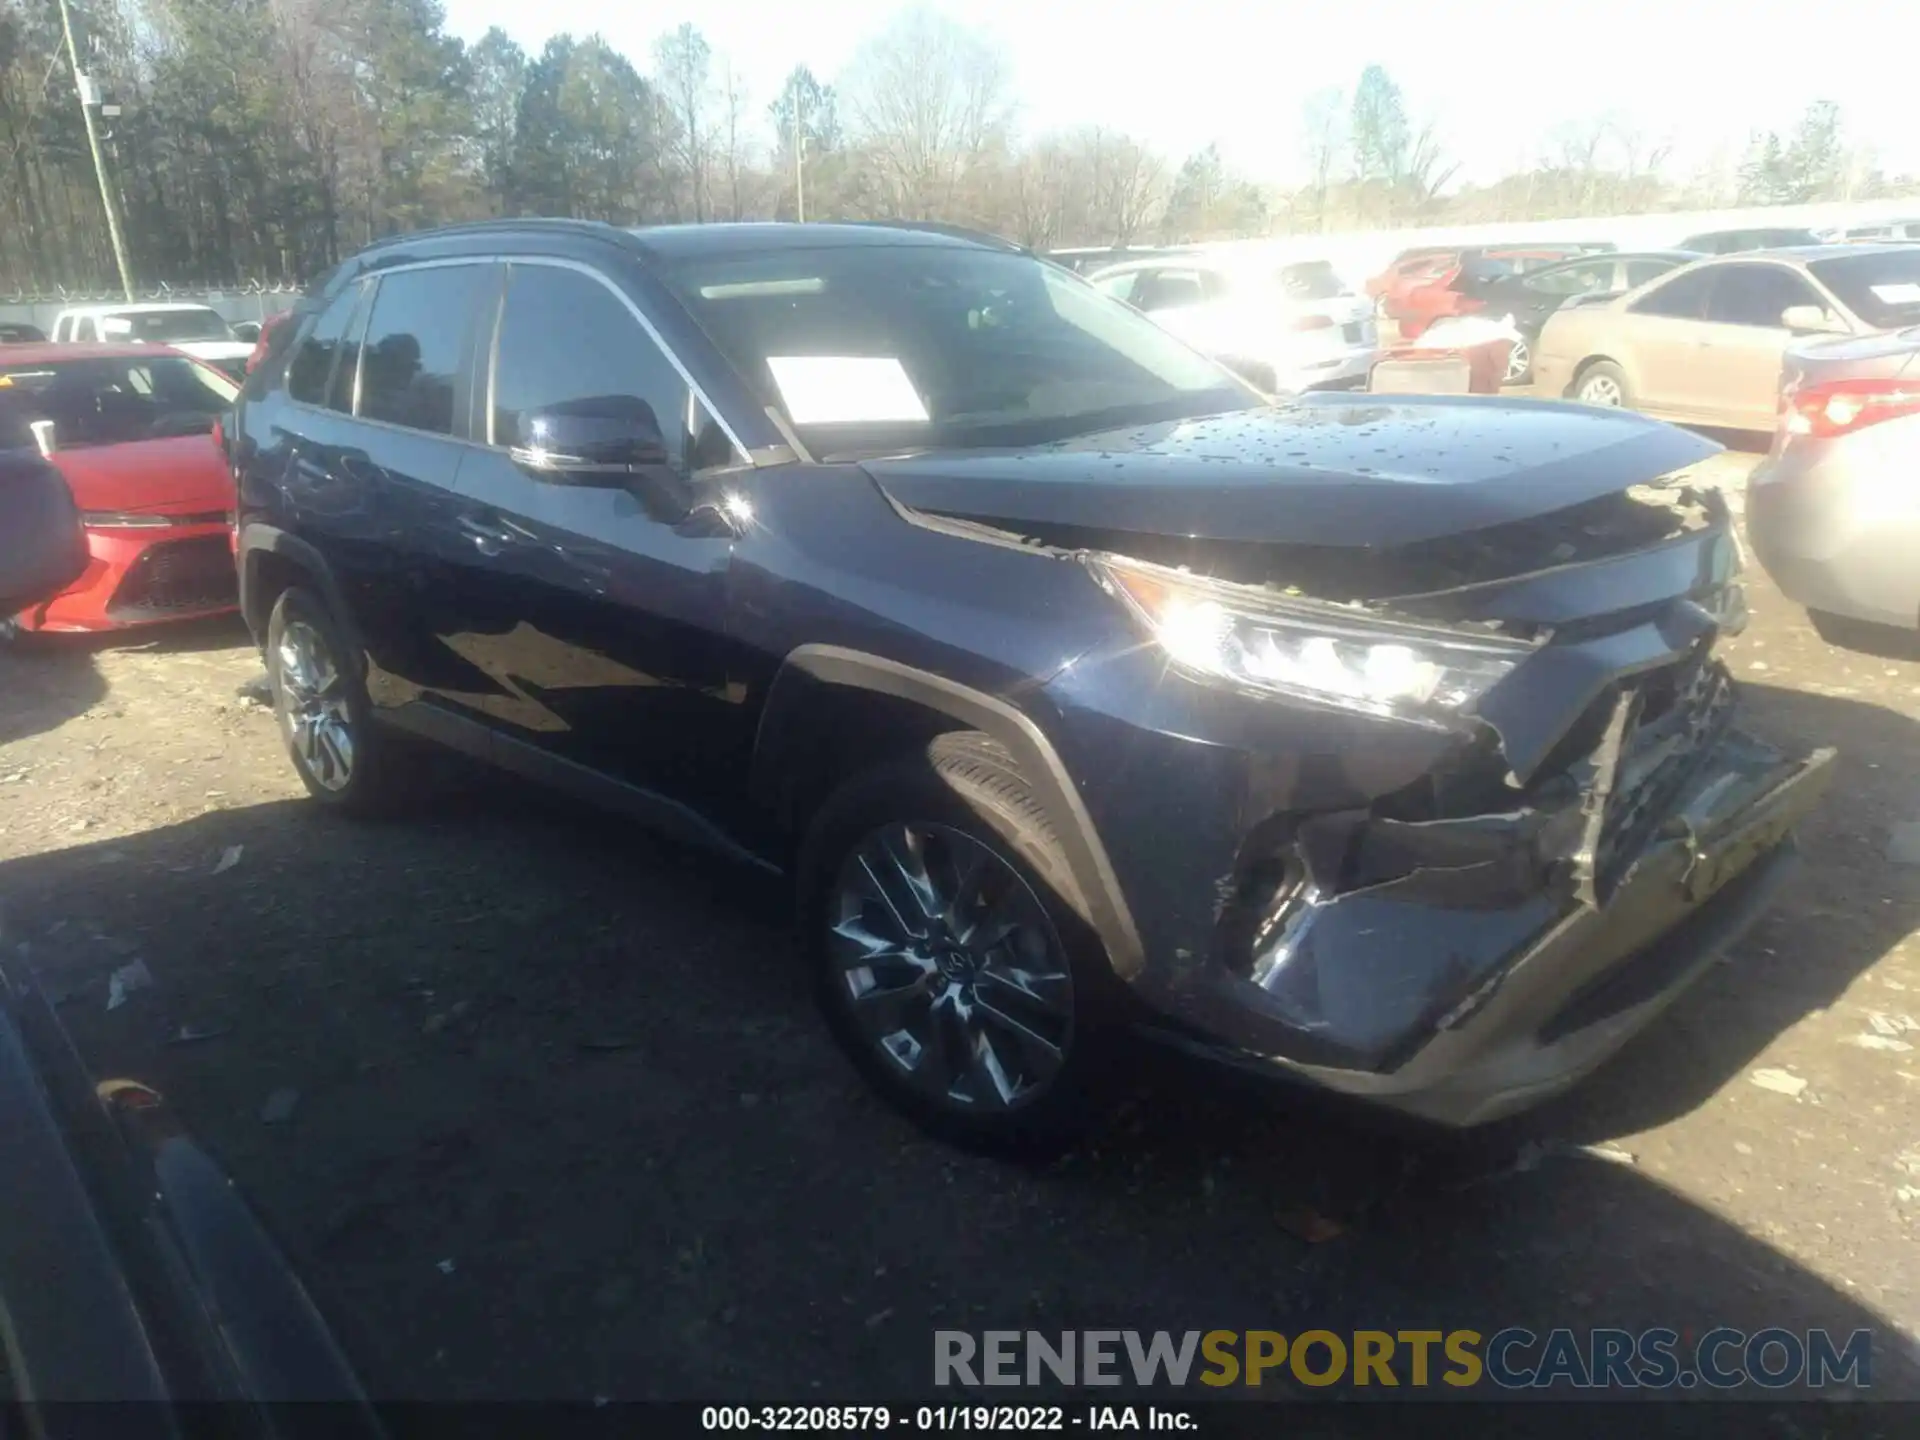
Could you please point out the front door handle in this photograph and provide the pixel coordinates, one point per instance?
(489, 538)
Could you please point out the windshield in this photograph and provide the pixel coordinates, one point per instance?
(1883, 290)
(110, 400)
(941, 346)
(164, 327)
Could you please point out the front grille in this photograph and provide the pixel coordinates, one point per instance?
(177, 577)
(1678, 714)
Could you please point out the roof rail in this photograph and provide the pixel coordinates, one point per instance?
(955, 232)
(516, 222)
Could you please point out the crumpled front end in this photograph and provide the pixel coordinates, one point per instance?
(1458, 920)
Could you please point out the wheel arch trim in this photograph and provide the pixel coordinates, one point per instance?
(1100, 901)
(257, 539)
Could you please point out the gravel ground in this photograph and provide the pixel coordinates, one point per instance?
(563, 1125)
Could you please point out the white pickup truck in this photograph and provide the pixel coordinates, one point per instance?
(196, 330)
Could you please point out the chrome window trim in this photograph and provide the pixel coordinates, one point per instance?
(509, 259)
(556, 262)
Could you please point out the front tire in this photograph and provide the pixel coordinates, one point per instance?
(1603, 383)
(948, 961)
(321, 706)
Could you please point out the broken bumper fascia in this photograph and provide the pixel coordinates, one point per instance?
(1487, 977)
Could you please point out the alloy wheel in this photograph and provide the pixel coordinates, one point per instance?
(1601, 390)
(313, 705)
(1519, 361)
(949, 966)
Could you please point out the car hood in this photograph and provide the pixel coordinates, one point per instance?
(181, 475)
(1325, 470)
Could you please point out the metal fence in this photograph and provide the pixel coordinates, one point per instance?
(233, 302)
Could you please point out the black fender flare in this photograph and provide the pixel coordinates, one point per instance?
(1100, 900)
(257, 538)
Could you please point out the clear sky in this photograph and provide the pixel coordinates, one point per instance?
(1498, 75)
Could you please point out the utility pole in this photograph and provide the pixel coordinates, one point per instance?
(82, 85)
(799, 162)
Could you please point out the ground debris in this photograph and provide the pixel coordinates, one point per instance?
(125, 981)
(1870, 1041)
(1305, 1223)
(193, 1034)
(1778, 1081)
(229, 858)
(279, 1107)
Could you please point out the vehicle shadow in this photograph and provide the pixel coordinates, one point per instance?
(558, 1100)
(43, 686)
(49, 679)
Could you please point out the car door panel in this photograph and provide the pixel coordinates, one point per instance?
(1659, 342)
(601, 629)
(376, 491)
(1743, 343)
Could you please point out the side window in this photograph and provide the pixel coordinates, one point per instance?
(1682, 298)
(1166, 289)
(1573, 279)
(311, 369)
(1639, 272)
(1757, 295)
(566, 340)
(416, 337)
(1121, 286)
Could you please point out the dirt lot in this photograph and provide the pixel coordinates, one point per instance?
(566, 1127)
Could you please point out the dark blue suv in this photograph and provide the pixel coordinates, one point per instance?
(1081, 688)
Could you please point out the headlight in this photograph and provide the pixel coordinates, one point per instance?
(112, 520)
(1243, 635)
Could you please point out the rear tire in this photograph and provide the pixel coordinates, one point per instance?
(320, 703)
(1603, 383)
(948, 961)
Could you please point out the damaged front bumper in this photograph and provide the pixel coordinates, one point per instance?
(1550, 961)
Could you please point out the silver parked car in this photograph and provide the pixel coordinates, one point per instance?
(1834, 510)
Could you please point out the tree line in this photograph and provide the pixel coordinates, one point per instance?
(261, 140)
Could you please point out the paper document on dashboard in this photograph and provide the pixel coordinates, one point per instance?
(846, 390)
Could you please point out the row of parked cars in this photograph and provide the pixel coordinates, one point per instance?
(1082, 690)
(1759, 330)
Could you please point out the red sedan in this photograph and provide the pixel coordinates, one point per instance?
(131, 428)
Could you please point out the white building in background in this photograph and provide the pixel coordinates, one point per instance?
(1359, 254)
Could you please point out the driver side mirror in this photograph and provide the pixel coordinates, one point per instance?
(1812, 320)
(610, 442)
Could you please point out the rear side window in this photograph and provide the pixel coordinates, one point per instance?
(1682, 298)
(312, 368)
(566, 339)
(410, 362)
(1757, 295)
(1120, 286)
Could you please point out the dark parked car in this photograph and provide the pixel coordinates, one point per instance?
(1531, 296)
(1432, 282)
(1733, 242)
(1078, 687)
(16, 333)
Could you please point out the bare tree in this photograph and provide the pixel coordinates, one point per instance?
(1324, 140)
(928, 98)
(733, 141)
(682, 60)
